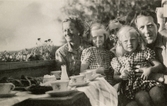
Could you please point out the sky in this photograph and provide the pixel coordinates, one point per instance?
(23, 21)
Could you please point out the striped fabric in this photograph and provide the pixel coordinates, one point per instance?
(100, 93)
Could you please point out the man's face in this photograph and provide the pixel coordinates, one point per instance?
(70, 32)
(147, 28)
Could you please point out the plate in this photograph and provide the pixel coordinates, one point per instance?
(59, 93)
(79, 84)
(11, 94)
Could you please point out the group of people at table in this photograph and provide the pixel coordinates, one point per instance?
(138, 61)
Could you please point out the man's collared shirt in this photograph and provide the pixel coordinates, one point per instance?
(70, 57)
(160, 49)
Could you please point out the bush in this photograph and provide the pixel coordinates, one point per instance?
(46, 51)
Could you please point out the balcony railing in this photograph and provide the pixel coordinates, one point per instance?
(31, 68)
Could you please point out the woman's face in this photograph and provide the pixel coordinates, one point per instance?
(70, 32)
(98, 39)
(129, 42)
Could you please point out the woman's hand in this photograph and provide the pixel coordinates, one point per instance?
(146, 72)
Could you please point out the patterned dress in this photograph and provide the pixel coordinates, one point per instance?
(98, 58)
(130, 62)
(70, 57)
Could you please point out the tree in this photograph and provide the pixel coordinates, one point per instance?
(103, 10)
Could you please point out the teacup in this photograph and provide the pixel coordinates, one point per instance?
(48, 78)
(6, 88)
(77, 79)
(56, 73)
(60, 85)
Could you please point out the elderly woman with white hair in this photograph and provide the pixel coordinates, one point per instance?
(98, 57)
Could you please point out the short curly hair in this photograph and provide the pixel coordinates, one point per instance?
(79, 25)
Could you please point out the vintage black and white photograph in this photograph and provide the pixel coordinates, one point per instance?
(83, 52)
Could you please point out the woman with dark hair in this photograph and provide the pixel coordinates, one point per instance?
(70, 53)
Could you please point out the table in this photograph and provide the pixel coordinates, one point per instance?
(77, 98)
(96, 93)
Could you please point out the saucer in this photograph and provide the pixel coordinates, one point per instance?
(11, 94)
(79, 84)
(59, 93)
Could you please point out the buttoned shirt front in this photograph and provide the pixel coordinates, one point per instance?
(70, 57)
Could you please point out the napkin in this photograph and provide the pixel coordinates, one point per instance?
(107, 94)
(100, 93)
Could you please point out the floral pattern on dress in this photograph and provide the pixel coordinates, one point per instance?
(99, 58)
(130, 61)
(96, 57)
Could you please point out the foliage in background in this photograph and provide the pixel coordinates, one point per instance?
(43, 51)
(104, 10)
